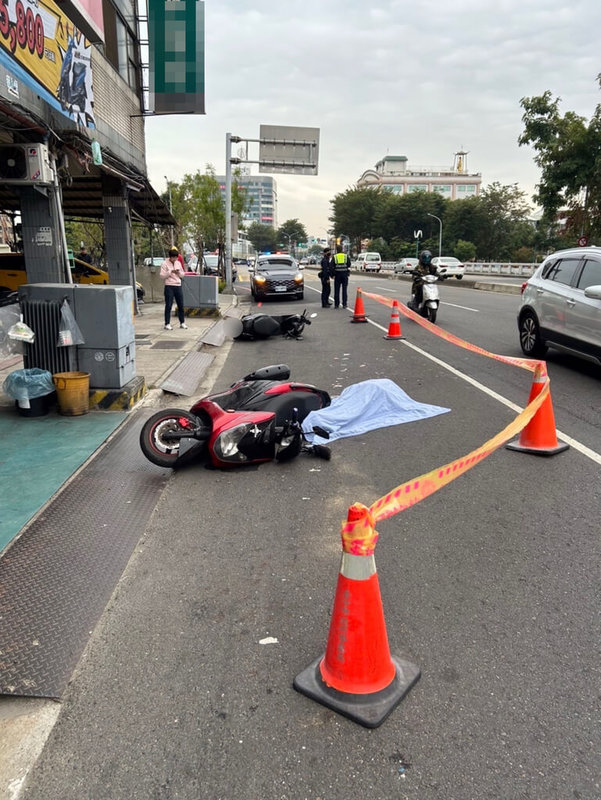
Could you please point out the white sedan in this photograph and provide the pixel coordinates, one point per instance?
(448, 267)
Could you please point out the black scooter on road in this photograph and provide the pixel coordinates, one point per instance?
(262, 326)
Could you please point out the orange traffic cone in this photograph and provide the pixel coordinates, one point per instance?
(359, 312)
(357, 677)
(394, 329)
(539, 436)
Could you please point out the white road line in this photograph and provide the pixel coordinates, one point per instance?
(582, 448)
(465, 308)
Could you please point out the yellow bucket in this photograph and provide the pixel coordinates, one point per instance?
(72, 392)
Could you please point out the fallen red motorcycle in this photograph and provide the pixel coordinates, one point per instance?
(257, 419)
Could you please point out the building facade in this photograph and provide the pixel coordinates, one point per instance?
(261, 192)
(393, 174)
(72, 139)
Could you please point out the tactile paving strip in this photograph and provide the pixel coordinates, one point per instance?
(57, 578)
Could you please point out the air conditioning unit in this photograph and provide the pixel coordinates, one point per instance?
(25, 165)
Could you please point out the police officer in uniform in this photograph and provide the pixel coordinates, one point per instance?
(342, 269)
(325, 274)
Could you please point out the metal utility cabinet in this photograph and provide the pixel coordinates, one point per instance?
(104, 315)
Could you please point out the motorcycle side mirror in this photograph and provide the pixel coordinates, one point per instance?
(313, 315)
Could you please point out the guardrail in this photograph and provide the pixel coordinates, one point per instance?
(486, 268)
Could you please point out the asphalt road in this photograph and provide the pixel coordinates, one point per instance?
(491, 585)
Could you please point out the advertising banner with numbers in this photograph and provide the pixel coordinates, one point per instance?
(46, 50)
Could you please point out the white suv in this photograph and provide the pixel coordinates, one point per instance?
(448, 266)
(561, 305)
(370, 262)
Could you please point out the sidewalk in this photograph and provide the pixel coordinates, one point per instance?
(40, 454)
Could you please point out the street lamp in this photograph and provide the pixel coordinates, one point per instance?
(439, 233)
(170, 205)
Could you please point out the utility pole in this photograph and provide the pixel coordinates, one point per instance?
(170, 208)
(439, 233)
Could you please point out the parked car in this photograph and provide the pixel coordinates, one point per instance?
(303, 262)
(211, 266)
(370, 262)
(276, 275)
(13, 274)
(561, 305)
(405, 266)
(449, 267)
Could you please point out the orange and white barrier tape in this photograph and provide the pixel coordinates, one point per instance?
(360, 538)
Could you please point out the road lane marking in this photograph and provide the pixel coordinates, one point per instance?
(582, 448)
(465, 308)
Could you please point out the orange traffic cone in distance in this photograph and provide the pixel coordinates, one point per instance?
(394, 328)
(359, 312)
(539, 437)
(357, 676)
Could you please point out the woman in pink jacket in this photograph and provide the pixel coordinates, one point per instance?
(171, 273)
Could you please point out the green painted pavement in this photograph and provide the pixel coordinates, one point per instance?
(38, 454)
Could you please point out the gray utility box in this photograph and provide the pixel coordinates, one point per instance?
(109, 368)
(200, 291)
(104, 315)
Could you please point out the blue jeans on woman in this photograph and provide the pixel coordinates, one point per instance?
(174, 293)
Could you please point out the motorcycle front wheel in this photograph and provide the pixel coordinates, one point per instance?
(154, 436)
(431, 313)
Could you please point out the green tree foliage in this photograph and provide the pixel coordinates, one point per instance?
(198, 206)
(568, 152)
(262, 237)
(465, 251)
(291, 234)
(91, 233)
(504, 226)
(353, 214)
(495, 223)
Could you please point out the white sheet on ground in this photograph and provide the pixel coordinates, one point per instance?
(365, 406)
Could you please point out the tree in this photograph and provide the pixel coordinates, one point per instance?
(262, 237)
(198, 206)
(503, 223)
(465, 251)
(291, 233)
(353, 214)
(569, 155)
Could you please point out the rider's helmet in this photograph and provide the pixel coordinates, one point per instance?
(425, 258)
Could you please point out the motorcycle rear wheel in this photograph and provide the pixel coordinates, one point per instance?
(431, 313)
(156, 447)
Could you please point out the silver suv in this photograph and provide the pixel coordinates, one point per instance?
(561, 305)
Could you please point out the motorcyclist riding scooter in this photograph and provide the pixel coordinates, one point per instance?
(425, 276)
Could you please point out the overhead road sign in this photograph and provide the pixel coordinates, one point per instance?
(288, 149)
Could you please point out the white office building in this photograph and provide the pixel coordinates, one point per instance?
(394, 174)
(262, 192)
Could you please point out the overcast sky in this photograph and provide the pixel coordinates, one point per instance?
(421, 79)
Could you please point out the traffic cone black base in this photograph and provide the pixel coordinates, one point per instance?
(369, 710)
(537, 451)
